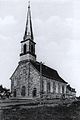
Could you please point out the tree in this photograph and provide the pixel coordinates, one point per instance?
(4, 92)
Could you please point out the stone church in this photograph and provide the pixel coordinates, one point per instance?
(33, 79)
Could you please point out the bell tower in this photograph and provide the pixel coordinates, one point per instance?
(28, 44)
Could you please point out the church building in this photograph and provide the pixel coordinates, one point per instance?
(33, 79)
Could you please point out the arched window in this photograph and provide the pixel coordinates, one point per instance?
(32, 49)
(14, 94)
(48, 87)
(42, 86)
(63, 89)
(58, 88)
(54, 87)
(24, 49)
(34, 93)
(23, 91)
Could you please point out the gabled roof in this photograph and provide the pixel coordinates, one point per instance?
(48, 72)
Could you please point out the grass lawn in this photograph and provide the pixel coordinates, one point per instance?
(67, 112)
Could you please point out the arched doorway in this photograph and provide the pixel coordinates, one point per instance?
(14, 94)
(34, 93)
(23, 91)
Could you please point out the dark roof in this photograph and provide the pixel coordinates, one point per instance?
(70, 88)
(48, 72)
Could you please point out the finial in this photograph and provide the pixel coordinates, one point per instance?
(28, 4)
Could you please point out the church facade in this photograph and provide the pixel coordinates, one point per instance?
(33, 79)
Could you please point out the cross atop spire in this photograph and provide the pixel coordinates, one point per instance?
(28, 4)
(28, 31)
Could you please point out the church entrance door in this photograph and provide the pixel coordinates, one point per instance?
(23, 91)
(15, 93)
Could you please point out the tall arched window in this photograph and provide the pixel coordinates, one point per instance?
(58, 88)
(48, 87)
(42, 86)
(32, 49)
(24, 49)
(34, 93)
(63, 89)
(14, 94)
(23, 91)
(54, 87)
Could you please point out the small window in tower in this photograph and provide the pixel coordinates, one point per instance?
(23, 91)
(32, 49)
(24, 49)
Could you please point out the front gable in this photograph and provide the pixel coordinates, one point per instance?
(19, 77)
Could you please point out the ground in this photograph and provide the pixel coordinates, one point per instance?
(60, 112)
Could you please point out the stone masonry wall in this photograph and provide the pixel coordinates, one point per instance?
(34, 81)
(19, 79)
(25, 75)
(57, 84)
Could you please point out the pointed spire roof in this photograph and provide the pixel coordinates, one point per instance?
(28, 31)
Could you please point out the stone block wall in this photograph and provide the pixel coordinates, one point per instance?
(53, 93)
(25, 75)
(34, 81)
(19, 79)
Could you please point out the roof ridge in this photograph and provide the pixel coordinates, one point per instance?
(49, 72)
(47, 66)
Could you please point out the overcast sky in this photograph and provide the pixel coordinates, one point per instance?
(56, 27)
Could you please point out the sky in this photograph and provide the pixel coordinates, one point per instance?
(56, 28)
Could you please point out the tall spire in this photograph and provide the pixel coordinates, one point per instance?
(28, 31)
(27, 44)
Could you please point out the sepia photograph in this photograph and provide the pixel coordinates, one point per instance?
(39, 60)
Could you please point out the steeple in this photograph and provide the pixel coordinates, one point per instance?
(28, 31)
(28, 45)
